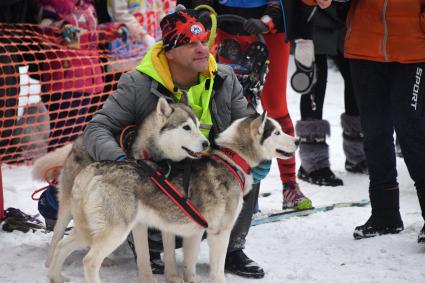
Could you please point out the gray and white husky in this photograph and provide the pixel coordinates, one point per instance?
(111, 199)
(169, 133)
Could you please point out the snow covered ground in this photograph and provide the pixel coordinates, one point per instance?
(317, 248)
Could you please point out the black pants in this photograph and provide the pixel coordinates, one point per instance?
(384, 92)
(319, 90)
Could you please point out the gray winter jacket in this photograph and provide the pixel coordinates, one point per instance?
(137, 96)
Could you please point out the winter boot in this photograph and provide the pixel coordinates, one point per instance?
(48, 207)
(421, 237)
(157, 265)
(421, 196)
(385, 218)
(237, 262)
(398, 148)
(353, 144)
(314, 153)
(294, 198)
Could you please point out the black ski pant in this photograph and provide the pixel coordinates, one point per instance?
(390, 97)
(319, 90)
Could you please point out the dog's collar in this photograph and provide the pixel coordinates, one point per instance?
(240, 162)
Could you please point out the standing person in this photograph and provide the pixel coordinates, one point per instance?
(11, 54)
(266, 17)
(179, 65)
(72, 73)
(387, 67)
(328, 42)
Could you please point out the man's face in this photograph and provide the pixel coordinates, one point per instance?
(192, 56)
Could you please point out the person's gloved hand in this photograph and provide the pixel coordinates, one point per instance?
(123, 33)
(305, 75)
(70, 33)
(255, 26)
(304, 52)
(260, 171)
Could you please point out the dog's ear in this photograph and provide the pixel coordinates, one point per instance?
(163, 107)
(258, 124)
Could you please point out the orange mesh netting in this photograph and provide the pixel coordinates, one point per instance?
(49, 90)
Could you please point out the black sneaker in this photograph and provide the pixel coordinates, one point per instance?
(157, 265)
(376, 226)
(360, 167)
(238, 263)
(421, 237)
(321, 177)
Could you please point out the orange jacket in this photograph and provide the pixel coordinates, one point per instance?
(386, 31)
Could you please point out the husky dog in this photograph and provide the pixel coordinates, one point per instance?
(169, 133)
(111, 199)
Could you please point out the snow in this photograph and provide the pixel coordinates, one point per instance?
(317, 248)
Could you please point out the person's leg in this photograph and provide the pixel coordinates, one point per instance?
(372, 90)
(409, 124)
(273, 100)
(236, 260)
(352, 135)
(9, 95)
(312, 130)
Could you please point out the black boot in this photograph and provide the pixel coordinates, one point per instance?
(238, 263)
(385, 218)
(321, 177)
(360, 167)
(352, 143)
(421, 196)
(379, 225)
(314, 153)
(421, 237)
(157, 264)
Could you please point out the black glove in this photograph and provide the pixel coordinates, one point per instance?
(127, 137)
(255, 26)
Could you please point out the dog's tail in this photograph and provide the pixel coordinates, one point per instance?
(47, 167)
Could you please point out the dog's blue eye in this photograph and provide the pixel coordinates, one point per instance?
(186, 128)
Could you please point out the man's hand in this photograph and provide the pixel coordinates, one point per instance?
(324, 3)
(255, 26)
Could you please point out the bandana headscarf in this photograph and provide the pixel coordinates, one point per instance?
(182, 27)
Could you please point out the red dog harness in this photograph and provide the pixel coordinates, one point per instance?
(182, 201)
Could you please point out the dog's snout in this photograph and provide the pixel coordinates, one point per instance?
(205, 144)
(297, 141)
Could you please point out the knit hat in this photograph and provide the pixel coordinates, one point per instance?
(182, 27)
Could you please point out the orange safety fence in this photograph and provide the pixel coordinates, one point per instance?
(49, 89)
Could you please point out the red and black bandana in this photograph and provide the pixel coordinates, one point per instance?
(181, 28)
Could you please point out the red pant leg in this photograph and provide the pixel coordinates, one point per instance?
(273, 97)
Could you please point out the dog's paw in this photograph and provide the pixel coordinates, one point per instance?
(107, 262)
(58, 279)
(193, 278)
(173, 278)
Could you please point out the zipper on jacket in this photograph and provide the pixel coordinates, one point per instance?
(385, 39)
